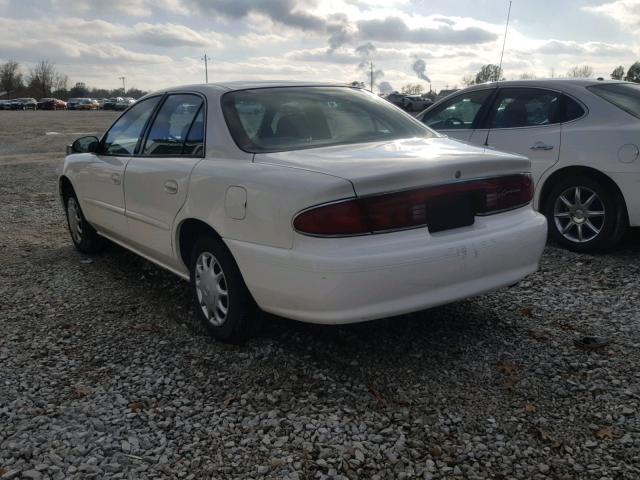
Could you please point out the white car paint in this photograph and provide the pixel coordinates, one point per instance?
(595, 140)
(251, 201)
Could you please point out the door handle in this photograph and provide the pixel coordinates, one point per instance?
(541, 146)
(171, 187)
(115, 178)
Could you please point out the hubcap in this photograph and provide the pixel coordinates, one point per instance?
(75, 221)
(579, 214)
(211, 289)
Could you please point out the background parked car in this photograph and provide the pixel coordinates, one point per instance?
(87, 104)
(110, 104)
(396, 98)
(101, 102)
(583, 140)
(72, 103)
(124, 103)
(51, 104)
(24, 104)
(416, 103)
(5, 104)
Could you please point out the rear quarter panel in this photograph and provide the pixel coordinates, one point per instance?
(274, 195)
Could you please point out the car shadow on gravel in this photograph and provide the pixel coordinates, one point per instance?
(450, 330)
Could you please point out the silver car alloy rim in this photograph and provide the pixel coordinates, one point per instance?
(211, 289)
(75, 221)
(579, 214)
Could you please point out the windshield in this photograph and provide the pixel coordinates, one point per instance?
(294, 118)
(625, 96)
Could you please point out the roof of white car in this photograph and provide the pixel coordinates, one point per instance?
(548, 82)
(249, 84)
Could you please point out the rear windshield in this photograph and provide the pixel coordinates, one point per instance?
(294, 118)
(625, 96)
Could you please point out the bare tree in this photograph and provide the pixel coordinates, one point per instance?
(528, 76)
(584, 71)
(489, 73)
(60, 82)
(412, 89)
(10, 77)
(42, 78)
(468, 80)
(618, 73)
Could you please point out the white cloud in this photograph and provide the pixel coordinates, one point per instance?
(156, 43)
(625, 12)
(134, 8)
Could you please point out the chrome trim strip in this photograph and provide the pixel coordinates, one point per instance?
(106, 206)
(180, 274)
(148, 220)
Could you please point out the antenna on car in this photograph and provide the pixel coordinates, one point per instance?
(504, 42)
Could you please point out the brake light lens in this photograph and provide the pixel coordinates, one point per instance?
(412, 208)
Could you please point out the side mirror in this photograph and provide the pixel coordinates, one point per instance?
(84, 145)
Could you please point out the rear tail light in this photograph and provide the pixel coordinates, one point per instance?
(411, 208)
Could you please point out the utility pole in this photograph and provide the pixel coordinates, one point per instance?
(371, 76)
(504, 42)
(124, 89)
(206, 68)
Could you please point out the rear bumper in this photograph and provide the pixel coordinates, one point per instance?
(356, 279)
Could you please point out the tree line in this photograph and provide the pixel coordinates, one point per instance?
(44, 80)
(492, 73)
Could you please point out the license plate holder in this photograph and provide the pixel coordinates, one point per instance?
(450, 211)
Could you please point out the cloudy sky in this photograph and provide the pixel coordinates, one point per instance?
(156, 43)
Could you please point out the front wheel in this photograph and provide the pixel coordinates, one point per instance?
(84, 236)
(223, 302)
(584, 215)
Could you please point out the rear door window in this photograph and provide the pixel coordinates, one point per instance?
(571, 110)
(525, 107)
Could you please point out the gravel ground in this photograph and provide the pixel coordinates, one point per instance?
(105, 374)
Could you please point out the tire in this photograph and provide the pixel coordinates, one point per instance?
(594, 223)
(84, 236)
(211, 257)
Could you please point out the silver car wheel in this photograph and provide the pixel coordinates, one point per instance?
(579, 214)
(75, 220)
(211, 289)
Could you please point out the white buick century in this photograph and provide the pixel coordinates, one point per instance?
(318, 203)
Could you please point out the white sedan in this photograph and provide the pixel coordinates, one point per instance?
(319, 203)
(583, 140)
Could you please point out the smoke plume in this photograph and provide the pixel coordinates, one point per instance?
(419, 66)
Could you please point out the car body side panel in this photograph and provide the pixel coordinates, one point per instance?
(97, 181)
(274, 195)
(152, 203)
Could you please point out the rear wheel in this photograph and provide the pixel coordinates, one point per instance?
(84, 236)
(223, 302)
(584, 215)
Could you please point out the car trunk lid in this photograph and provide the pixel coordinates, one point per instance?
(378, 167)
